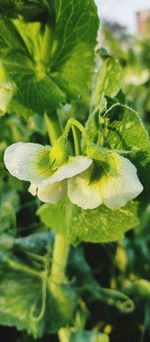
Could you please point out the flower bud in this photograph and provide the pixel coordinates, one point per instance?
(6, 90)
(58, 153)
(6, 94)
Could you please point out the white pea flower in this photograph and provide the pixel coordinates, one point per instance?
(44, 167)
(114, 188)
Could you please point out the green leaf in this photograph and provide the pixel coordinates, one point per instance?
(79, 269)
(28, 8)
(36, 243)
(21, 301)
(10, 39)
(107, 82)
(53, 62)
(36, 92)
(7, 218)
(97, 225)
(73, 55)
(106, 85)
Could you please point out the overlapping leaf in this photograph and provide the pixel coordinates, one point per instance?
(98, 225)
(61, 65)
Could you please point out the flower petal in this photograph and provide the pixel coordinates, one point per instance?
(52, 193)
(33, 189)
(49, 193)
(112, 190)
(119, 189)
(84, 193)
(28, 161)
(74, 166)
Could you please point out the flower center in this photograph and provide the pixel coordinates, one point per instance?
(96, 171)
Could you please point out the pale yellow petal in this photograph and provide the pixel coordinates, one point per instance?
(84, 193)
(33, 189)
(52, 193)
(118, 190)
(72, 167)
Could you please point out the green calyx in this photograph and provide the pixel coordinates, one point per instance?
(59, 151)
(96, 171)
(73, 123)
(108, 160)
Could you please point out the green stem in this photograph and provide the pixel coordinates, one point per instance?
(20, 267)
(53, 128)
(76, 141)
(61, 246)
(73, 122)
(59, 260)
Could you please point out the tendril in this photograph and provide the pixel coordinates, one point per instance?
(43, 295)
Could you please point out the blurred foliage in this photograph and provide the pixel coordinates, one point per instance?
(133, 54)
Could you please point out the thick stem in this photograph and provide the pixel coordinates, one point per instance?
(59, 260)
(61, 246)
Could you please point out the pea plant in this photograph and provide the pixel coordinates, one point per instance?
(70, 141)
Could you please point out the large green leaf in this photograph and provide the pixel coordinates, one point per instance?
(98, 225)
(51, 62)
(22, 47)
(74, 41)
(21, 300)
(35, 243)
